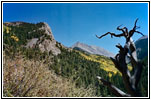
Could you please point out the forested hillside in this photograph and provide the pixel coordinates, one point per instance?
(142, 47)
(38, 71)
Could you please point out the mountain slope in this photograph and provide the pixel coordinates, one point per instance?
(92, 49)
(31, 36)
(29, 78)
(68, 63)
(142, 47)
(32, 70)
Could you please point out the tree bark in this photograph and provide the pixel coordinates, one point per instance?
(129, 50)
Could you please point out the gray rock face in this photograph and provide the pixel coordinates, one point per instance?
(92, 49)
(45, 44)
(47, 30)
(32, 43)
(48, 44)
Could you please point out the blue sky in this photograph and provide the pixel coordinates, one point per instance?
(72, 22)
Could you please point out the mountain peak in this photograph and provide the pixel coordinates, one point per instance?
(78, 44)
(47, 29)
(92, 49)
(143, 37)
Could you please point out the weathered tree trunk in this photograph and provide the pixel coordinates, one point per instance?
(129, 50)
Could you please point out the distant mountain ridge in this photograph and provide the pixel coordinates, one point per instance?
(91, 49)
(142, 47)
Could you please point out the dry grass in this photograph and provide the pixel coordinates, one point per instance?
(25, 78)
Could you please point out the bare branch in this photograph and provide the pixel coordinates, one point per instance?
(134, 28)
(120, 29)
(112, 34)
(119, 26)
(120, 47)
(113, 88)
(103, 35)
(139, 33)
(126, 30)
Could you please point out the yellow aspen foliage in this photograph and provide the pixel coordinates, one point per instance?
(15, 38)
(110, 75)
(130, 67)
(115, 72)
(8, 30)
(12, 37)
(105, 64)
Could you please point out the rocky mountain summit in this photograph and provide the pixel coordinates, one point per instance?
(92, 49)
(46, 42)
(38, 36)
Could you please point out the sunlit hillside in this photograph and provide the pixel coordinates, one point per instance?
(105, 63)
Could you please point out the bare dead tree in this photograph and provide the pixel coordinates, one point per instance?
(129, 50)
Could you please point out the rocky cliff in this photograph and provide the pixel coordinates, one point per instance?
(46, 42)
(37, 36)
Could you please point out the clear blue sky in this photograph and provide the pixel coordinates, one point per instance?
(72, 22)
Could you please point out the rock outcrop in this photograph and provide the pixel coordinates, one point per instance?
(46, 43)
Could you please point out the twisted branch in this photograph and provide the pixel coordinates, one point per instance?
(113, 88)
(130, 81)
(112, 34)
(125, 33)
